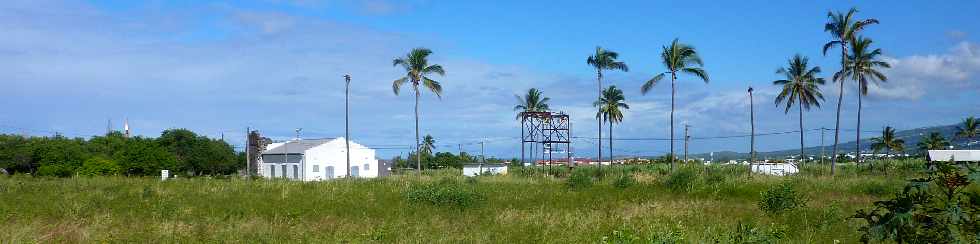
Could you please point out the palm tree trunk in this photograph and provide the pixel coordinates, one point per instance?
(802, 153)
(599, 118)
(418, 147)
(857, 150)
(673, 91)
(610, 143)
(840, 99)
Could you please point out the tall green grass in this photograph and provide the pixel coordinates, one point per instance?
(694, 203)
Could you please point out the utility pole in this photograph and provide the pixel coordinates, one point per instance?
(752, 124)
(686, 139)
(460, 149)
(483, 156)
(297, 132)
(347, 120)
(821, 144)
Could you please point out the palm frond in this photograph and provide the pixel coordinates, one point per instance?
(699, 72)
(434, 69)
(433, 86)
(397, 84)
(650, 83)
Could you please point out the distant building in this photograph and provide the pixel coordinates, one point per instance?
(778, 169)
(483, 169)
(318, 159)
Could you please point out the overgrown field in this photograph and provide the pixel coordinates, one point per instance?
(635, 203)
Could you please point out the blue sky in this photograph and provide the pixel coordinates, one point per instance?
(218, 66)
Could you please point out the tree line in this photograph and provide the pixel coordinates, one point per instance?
(181, 151)
(440, 160)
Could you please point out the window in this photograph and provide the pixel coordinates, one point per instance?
(316, 168)
(328, 171)
(295, 171)
(367, 167)
(285, 171)
(354, 171)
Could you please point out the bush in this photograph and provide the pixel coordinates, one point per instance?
(99, 166)
(57, 170)
(445, 193)
(939, 208)
(781, 198)
(580, 178)
(681, 180)
(624, 181)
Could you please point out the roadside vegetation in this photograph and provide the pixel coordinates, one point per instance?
(638, 203)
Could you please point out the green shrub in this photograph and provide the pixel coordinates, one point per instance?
(444, 193)
(624, 181)
(56, 170)
(580, 178)
(99, 166)
(781, 198)
(939, 208)
(681, 180)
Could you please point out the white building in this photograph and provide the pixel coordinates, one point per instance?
(778, 169)
(954, 155)
(318, 159)
(478, 169)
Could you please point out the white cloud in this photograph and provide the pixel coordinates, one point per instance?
(915, 76)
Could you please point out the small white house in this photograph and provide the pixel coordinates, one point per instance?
(478, 169)
(318, 159)
(777, 169)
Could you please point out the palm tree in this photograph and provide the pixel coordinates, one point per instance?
(934, 141)
(843, 29)
(863, 66)
(428, 144)
(678, 57)
(970, 128)
(417, 72)
(604, 60)
(801, 86)
(611, 105)
(533, 101)
(888, 142)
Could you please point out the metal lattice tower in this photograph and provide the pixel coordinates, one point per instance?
(546, 129)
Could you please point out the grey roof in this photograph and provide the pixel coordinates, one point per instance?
(296, 146)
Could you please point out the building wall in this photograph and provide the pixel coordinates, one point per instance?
(333, 154)
(266, 170)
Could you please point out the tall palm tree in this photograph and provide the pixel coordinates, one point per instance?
(428, 144)
(934, 141)
(801, 86)
(969, 129)
(533, 101)
(417, 72)
(888, 142)
(611, 105)
(863, 65)
(843, 28)
(604, 60)
(677, 58)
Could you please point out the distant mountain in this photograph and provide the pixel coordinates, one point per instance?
(911, 137)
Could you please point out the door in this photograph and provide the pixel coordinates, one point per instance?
(328, 172)
(285, 172)
(354, 171)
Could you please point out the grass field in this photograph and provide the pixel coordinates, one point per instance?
(694, 204)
